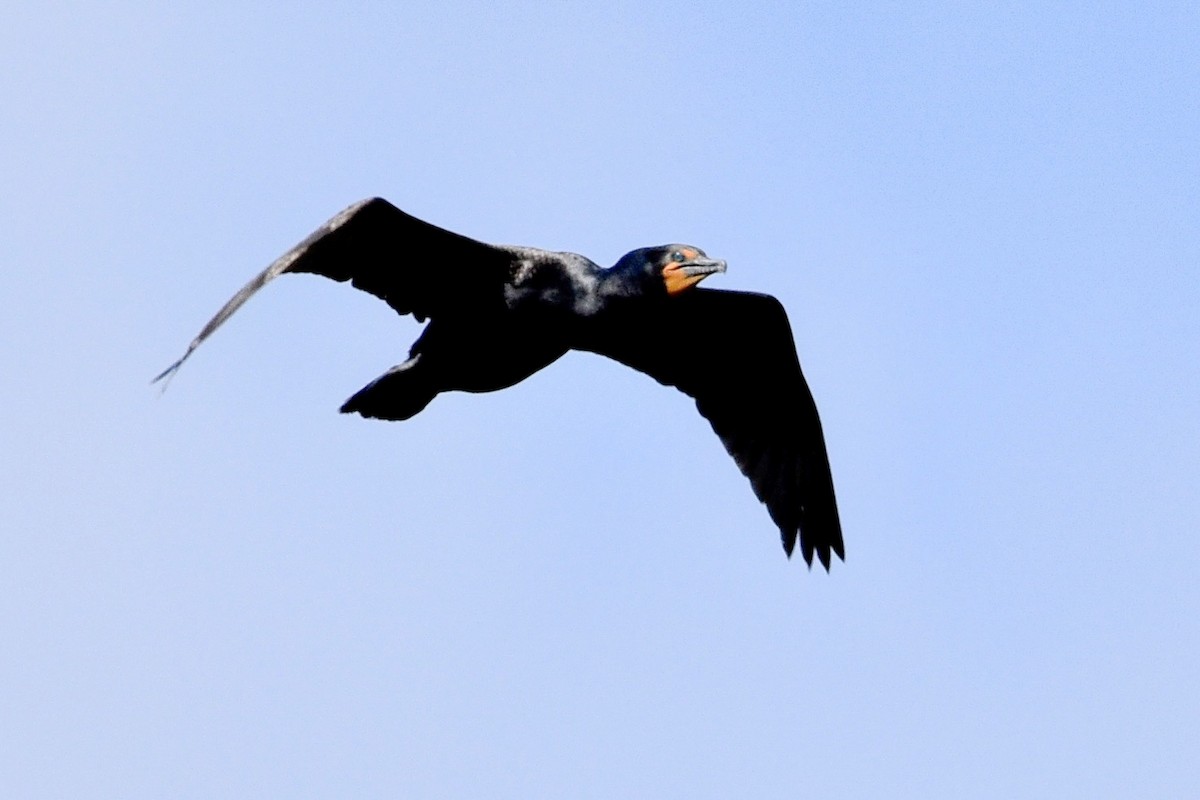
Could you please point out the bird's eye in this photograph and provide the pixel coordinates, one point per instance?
(677, 256)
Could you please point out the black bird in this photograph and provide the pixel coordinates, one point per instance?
(498, 314)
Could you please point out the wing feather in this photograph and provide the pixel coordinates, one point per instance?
(733, 353)
(413, 266)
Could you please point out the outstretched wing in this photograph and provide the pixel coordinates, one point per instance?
(733, 352)
(415, 267)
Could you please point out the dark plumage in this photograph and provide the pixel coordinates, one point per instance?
(497, 314)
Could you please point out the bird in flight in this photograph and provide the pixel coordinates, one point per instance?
(497, 314)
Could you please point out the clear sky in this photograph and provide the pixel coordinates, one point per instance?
(983, 218)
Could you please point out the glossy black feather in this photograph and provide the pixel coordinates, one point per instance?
(415, 267)
(733, 352)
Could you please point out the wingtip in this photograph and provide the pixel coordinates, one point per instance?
(167, 374)
(808, 549)
(823, 553)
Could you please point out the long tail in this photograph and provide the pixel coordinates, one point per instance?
(400, 393)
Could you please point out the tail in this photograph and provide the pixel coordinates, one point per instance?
(399, 393)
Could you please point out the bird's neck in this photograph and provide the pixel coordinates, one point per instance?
(618, 282)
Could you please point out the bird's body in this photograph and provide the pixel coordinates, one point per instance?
(498, 314)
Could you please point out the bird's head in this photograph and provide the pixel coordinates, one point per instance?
(669, 269)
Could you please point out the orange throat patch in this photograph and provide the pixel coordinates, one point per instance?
(677, 281)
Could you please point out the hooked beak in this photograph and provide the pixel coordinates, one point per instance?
(687, 274)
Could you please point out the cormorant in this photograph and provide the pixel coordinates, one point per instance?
(498, 314)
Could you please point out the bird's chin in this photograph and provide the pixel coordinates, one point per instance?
(681, 277)
(677, 283)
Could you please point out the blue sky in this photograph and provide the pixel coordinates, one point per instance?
(983, 219)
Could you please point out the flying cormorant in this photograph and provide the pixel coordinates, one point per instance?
(498, 314)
